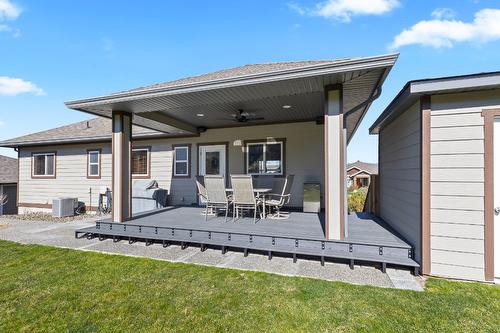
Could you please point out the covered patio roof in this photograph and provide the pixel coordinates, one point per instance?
(191, 105)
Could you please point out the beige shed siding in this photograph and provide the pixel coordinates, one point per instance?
(303, 157)
(400, 176)
(457, 183)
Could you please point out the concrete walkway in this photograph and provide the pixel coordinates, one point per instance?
(62, 235)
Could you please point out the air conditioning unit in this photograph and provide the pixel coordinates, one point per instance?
(62, 207)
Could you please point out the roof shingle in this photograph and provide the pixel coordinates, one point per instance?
(88, 130)
(371, 168)
(236, 72)
(8, 170)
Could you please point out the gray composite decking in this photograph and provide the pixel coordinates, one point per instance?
(369, 239)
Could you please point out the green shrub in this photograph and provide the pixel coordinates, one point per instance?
(356, 200)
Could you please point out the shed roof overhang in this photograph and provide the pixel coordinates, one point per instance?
(186, 108)
(413, 90)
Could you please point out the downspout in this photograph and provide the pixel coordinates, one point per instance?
(376, 94)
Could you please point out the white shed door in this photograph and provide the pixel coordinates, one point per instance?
(496, 223)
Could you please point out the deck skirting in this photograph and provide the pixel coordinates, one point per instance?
(347, 250)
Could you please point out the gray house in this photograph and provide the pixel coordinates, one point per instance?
(439, 169)
(8, 184)
(273, 122)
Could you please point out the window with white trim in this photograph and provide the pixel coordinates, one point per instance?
(265, 158)
(181, 161)
(140, 162)
(94, 161)
(44, 164)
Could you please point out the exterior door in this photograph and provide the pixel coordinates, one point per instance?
(212, 160)
(496, 195)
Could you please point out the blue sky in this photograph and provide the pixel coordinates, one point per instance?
(54, 51)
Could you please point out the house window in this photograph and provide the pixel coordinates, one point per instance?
(181, 161)
(44, 164)
(265, 158)
(140, 162)
(363, 182)
(94, 163)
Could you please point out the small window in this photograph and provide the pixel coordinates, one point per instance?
(140, 162)
(44, 165)
(265, 158)
(181, 161)
(94, 163)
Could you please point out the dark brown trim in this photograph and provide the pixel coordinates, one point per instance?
(342, 165)
(113, 139)
(33, 176)
(245, 153)
(326, 179)
(48, 206)
(148, 148)
(88, 163)
(489, 193)
(18, 176)
(34, 205)
(129, 174)
(425, 113)
(198, 145)
(189, 159)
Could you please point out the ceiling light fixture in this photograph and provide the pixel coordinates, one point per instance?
(200, 115)
(286, 106)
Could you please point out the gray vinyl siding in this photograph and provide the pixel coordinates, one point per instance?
(400, 176)
(457, 183)
(303, 157)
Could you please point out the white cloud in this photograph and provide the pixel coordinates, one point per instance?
(344, 10)
(2, 123)
(9, 11)
(5, 28)
(443, 13)
(439, 33)
(10, 86)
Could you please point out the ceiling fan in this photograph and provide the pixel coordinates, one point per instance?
(242, 116)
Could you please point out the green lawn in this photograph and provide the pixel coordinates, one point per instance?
(51, 289)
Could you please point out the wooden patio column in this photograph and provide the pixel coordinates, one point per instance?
(335, 193)
(121, 146)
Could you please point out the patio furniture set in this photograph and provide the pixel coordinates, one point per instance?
(243, 196)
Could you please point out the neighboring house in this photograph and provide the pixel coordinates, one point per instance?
(359, 173)
(265, 120)
(8, 184)
(439, 173)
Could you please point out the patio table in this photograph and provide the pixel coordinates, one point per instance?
(258, 192)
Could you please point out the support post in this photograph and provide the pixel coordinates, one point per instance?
(335, 192)
(121, 166)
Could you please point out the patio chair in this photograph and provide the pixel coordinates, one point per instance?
(202, 194)
(216, 195)
(276, 201)
(243, 196)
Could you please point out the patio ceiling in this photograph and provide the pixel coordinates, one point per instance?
(176, 109)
